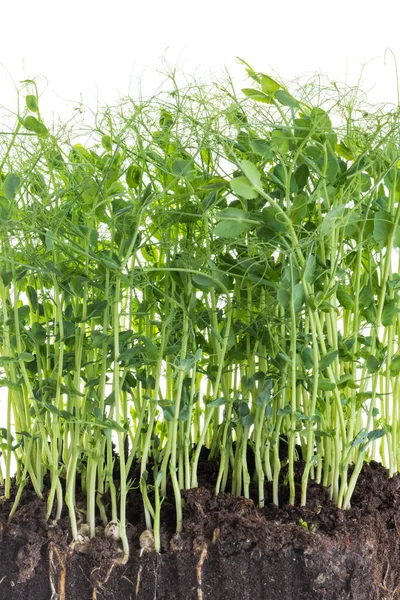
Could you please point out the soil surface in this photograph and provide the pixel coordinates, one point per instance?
(229, 549)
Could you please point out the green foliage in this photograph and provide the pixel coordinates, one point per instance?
(242, 187)
(10, 185)
(176, 285)
(33, 124)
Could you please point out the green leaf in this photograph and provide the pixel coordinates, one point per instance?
(70, 389)
(69, 330)
(332, 169)
(308, 358)
(151, 349)
(383, 225)
(232, 213)
(298, 296)
(38, 185)
(53, 409)
(298, 210)
(360, 438)
(392, 179)
(256, 95)
(283, 297)
(24, 312)
(158, 479)
(242, 187)
(11, 385)
(247, 420)
(216, 402)
(204, 281)
(365, 182)
(362, 396)
(7, 277)
(116, 188)
(328, 359)
(151, 382)
(26, 357)
(376, 434)
(264, 394)
(344, 299)
(185, 364)
(97, 339)
(269, 85)
(286, 99)
(53, 269)
(300, 416)
(11, 185)
(347, 380)
(182, 168)
(344, 152)
(66, 415)
(388, 313)
(4, 208)
(110, 399)
(315, 153)
(242, 409)
(56, 160)
(129, 356)
(216, 183)
(372, 364)
(95, 309)
(133, 177)
(32, 124)
(274, 220)
(234, 223)
(320, 119)
(31, 103)
(32, 297)
(309, 270)
(90, 234)
(395, 365)
(92, 382)
(325, 385)
(106, 142)
(252, 173)
(302, 128)
(166, 119)
(396, 237)
(279, 175)
(8, 359)
(116, 426)
(110, 262)
(279, 141)
(366, 296)
(333, 219)
(231, 229)
(301, 175)
(262, 147)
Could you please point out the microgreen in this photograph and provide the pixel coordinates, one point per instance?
(208, 270)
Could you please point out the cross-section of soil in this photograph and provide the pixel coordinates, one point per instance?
(229, 549)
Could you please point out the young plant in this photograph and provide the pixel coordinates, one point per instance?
(208, 271)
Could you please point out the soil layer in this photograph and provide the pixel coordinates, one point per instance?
(229, 549)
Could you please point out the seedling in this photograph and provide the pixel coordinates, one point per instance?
(208, 270)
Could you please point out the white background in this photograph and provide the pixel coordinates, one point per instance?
(95, 50)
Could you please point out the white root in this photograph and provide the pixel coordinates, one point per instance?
(57, 572)
(199, 571)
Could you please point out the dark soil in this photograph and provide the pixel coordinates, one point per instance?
(229, 549)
